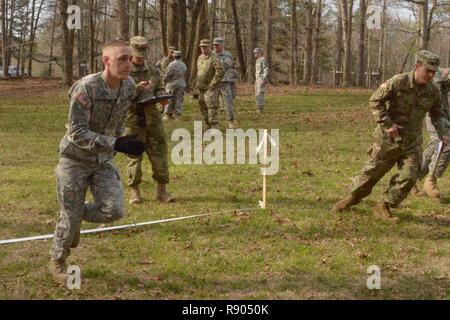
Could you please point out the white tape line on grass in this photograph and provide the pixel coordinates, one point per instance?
(126, 226)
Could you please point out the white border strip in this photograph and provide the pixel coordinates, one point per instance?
(126, 226)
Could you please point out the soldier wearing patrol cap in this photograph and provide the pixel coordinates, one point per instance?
(225, 86)
(261, 78)
(210, 72)
(174, 79)
(399, 107)
(433, 167)
(149, 130)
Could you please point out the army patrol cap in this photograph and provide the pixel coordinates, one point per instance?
(257, 50)
(218, 41)
(429, 60)
(140, 46)
(205, 43)
(171, 49)
(176, 53)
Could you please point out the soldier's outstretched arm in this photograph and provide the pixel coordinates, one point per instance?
(378, 105)
(79, 115)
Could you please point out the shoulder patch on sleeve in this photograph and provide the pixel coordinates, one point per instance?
(83, 100)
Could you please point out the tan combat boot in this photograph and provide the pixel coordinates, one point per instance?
(345, 204)
(431, 188)
(76, 238)
(231, 125)
(167, 117)
(162, 195)
(58, 270)
(382, 211)
(135, 195)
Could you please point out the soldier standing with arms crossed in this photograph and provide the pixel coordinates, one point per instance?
(224, 87)
(209, 74)
(261, 78)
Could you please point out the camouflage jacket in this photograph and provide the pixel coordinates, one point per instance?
(96, 118)
(163, 64)
(145, 72)
(399, 100)
(175, 75)
(209, 71)
(444, 85)
(227, 62)
(262, 70)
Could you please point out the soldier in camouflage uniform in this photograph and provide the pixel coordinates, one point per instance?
(152, 134)
(224, 87)
(261, 78)
(399, 107)
(209, 74)
(174, 79)
(442, 80)
(98, 104)
(165, 61)
(234, 80)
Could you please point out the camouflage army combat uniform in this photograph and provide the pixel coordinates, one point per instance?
(165, 61)
(209, 74)
(398, 101)
(96, 118)
(152, 134)
(174, 78)
(429, 156)
(225, 86)
(261, 78)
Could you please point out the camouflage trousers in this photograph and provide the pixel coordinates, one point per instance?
(73, 178)
(260, 91)
(208, 101)
(155, 141)
(233, 90)
(226, 95)
(175, 105)
(382, 157)
(429, 155)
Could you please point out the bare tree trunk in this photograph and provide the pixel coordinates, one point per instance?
(308, 42)
(448, 51)
(237, 30)
(51, 40)
(123, 19)
(423, 37)
(212, 22)
(144, 16)
(196, 9)
(68, 37)
(252, 34)
(183, 27)
(316, 44)
(268, 37)
(361, 64)
(383, 40)
(4, 44)
(294, 43)
(136, 18)
(339, 36)
(92, 5)
(173, 23)
(163, 24)
(347, 17)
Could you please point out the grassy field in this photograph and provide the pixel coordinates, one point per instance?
(295, 249)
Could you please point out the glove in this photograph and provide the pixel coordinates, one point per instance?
(129, 145)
